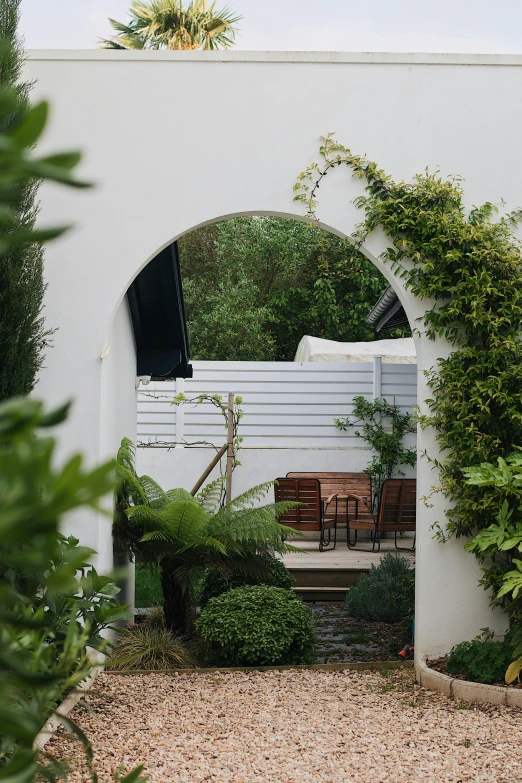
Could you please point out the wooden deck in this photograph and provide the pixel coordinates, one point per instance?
(341, 556)
(328, 575)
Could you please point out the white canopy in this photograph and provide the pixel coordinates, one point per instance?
(398, 351)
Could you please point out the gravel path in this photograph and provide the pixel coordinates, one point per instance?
(292, 727)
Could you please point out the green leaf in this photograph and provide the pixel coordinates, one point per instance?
(27, 132)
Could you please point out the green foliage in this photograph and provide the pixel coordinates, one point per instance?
(482, 660)
(184, 535)
(470, 265)
(165, 24)
(149, 646)
(253, 286)
(271, 571)
(23, 336)
(383, 428)
(53, 605)
(147, 586)
(386, 593)
(257, 626)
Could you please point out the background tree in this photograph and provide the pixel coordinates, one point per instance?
(23, 337)
(254, 286)
(165, 24)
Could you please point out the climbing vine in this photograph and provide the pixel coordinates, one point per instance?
(469, 264)
(383, 426)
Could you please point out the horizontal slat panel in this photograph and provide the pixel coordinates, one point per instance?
(284, 403)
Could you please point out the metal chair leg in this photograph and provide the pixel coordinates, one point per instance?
(323, 543)
(405, 548)
(348, 542)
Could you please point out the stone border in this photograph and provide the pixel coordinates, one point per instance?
(465, 690)
(326, 667)
(52, 723)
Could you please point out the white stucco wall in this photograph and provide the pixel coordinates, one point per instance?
(177, 139)
(117, 410)
(183, 467)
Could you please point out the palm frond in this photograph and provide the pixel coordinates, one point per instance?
(165, 24)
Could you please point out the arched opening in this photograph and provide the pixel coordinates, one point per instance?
(174, 451)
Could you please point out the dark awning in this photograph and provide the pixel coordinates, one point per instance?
(388, 312)
(158, 318)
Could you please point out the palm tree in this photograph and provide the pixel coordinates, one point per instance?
(165, 24)
(183, 534)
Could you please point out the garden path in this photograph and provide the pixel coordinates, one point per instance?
(292, 727)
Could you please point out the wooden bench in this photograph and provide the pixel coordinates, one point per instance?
(312, 513)
(342, 485)
(397, 512)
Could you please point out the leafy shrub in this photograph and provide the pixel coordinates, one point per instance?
(482, 660)
(149, 646)
(268, 570)
(54, 605)
(257, 626)
(386, 593)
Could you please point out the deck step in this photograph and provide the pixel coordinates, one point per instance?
(339, 578)
(321, 593)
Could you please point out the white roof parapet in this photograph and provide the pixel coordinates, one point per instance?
(328, 58)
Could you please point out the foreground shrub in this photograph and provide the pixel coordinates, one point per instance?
(386, 593)
(268, 570)
(149, 646)
(482, 660)
(257, 626)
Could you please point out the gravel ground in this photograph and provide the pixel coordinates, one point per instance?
(292, 727)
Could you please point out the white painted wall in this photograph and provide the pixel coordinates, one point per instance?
(183, 467)
(177, 139)
(117, 420)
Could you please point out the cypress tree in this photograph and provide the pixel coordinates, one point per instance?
(23, 336)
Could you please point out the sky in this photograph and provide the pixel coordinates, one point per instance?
(468, 26)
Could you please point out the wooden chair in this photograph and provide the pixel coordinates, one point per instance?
(343, 485)
(312, 513)
(397, 513)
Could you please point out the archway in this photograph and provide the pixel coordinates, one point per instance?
(434, 632)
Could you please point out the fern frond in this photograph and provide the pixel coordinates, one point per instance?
(126, 456)
(210, 496)
(178, 494)
(156, 496)
(184, 519)
(145, 516)
(250, 497)
(207, 542)
(128, 485)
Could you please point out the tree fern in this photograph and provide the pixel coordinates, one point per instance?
(184, 535)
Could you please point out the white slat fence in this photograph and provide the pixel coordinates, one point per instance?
(285, 404)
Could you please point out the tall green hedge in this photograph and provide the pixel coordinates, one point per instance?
(23, 336)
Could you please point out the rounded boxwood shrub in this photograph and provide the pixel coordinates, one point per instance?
(270, 571)
(257, 625)
(386, 593)
(481, 660)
